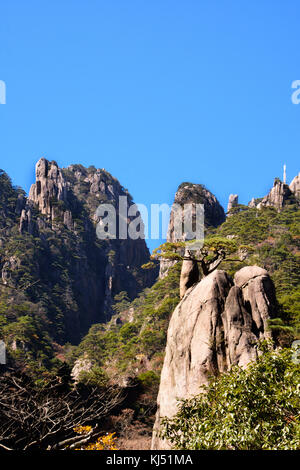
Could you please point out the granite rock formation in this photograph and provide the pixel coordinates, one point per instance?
(295, 186)
(280, 195)
(189, 193)
(49, 188)
(232, 202)
(215, 326)
(75, 275)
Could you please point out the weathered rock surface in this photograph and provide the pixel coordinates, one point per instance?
(82, 364)
(50, 187)
(189, 276)
(232, 202)
(295, 186)
(215, 326)
(75, 273)
(279, 195)
(189, 193)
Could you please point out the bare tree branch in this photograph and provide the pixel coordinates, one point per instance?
(45, 417)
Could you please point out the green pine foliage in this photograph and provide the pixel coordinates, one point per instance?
(118, 347)
(273, 241)
(256, 408)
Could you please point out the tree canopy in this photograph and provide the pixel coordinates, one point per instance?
(208, 253)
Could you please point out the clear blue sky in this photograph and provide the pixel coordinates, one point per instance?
(157, 92)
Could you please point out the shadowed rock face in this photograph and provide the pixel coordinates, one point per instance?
(68, 258)
(188, 193)
(216, 325)
(189, 276)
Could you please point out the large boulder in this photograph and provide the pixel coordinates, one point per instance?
(216, 325)
(190, 193)
(259, 297)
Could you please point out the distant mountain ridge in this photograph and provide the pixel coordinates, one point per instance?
(49, 242)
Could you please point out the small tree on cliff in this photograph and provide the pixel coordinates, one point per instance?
(207, 257)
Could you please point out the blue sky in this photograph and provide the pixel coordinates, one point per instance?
(157, 92)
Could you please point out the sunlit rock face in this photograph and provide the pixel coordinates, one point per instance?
(216, 325)
(295, 186)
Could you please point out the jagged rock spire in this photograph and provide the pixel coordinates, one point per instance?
(49, 187)
(278, 195)
(295, 186)
(232, 202)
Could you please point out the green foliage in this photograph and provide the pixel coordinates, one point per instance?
(23, 327)
(245, 409)
(149, 265)
(122, 302)
(272, 241)
(143, 336)
(127, 331)
(290, 305)
(209, 247)
(95, 377)
(253, 225)
(148, 379)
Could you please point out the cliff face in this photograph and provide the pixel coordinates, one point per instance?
(215, 326)
(295, 186)
(49, 188)
(232, 202)
(188, 193)
(280, 195)
(73, 274)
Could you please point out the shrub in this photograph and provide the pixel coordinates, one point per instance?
(246, 409)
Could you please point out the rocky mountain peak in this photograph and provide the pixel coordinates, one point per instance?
(295, 186)
(58, 220)
(49, 187)
(190, 193)
(232, 201)
(280, 195)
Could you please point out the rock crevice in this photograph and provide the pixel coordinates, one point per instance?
(216, 325)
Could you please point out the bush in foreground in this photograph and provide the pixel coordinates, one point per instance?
(244, 409)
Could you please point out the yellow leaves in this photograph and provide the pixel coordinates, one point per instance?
(103, 443)
(107, 442)
(82, 429)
